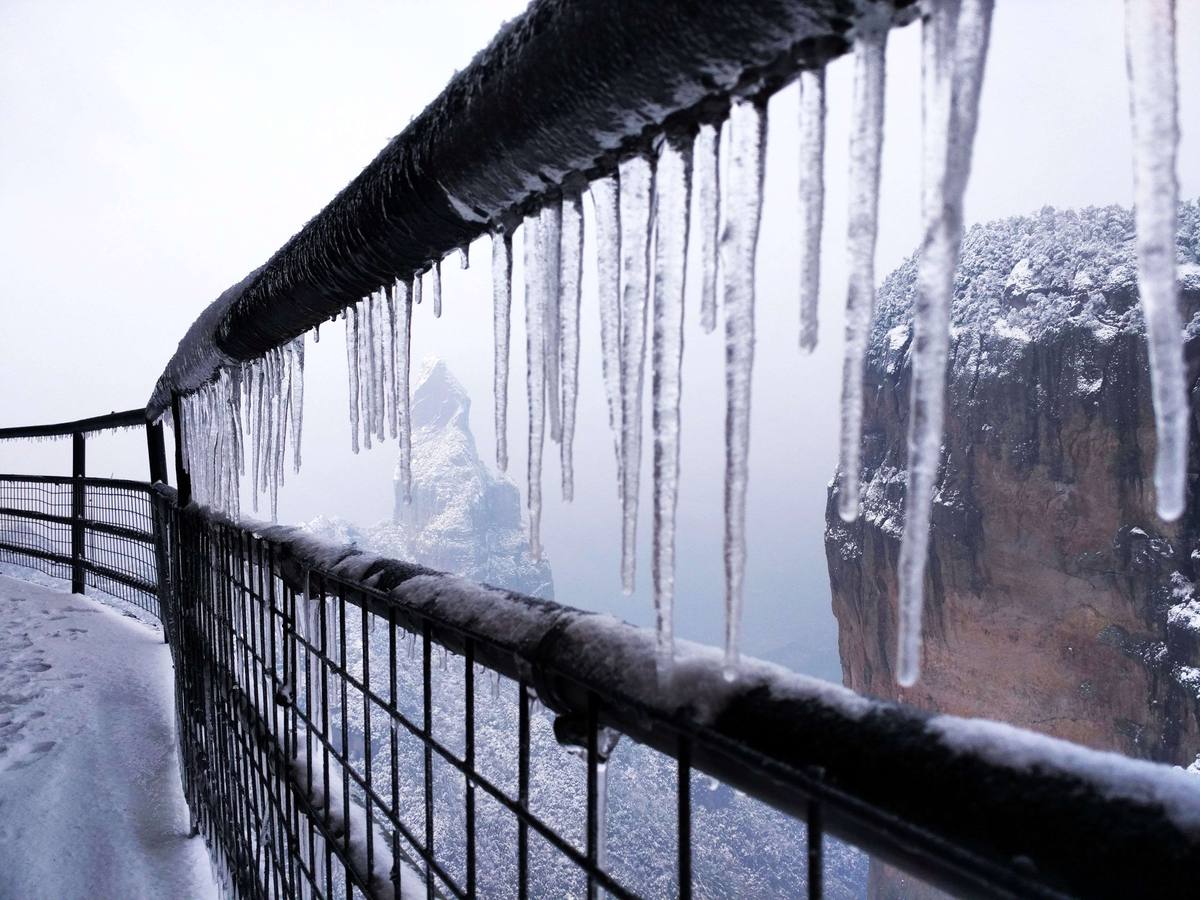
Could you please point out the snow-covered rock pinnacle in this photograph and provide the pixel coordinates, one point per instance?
(462, 517)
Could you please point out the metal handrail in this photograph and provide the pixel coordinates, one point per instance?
(560, 96)
(130, 418)
(874, 773)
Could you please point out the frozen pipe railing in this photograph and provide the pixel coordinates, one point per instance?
(130, 418)
(561, 95)
(967, 804)
(654, 80)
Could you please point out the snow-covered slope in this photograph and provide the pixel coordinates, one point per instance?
(463, 518)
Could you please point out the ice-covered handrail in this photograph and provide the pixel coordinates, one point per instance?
(941, 788)
(130, 418)
(562, 93)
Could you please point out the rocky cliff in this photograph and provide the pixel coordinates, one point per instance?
(462, 519)
(1056, 599)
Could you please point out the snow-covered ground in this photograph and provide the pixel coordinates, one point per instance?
(91, 803)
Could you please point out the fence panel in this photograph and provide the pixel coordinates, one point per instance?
(117, 551)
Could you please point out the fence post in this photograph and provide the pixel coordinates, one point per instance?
(157, 451)
(183, 481)
(78, 509)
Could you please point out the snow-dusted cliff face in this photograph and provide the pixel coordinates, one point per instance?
(462, 518)
(1057, 599)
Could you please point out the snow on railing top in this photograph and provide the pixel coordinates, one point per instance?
(633, 96)
(1025, 790)
(114, 421)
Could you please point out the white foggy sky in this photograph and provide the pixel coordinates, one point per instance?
(151, 154)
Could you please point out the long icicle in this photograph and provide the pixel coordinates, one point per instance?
(637, 191)
(351, 378)
(501, 327)
(672, 203)
(535, 378)
(437, 289)
(298, 403)
(739, 246)
(380, 368)
(866, 144)
(606, 203)
(389, 362)
(550, 248)
(812, 200)
(366, 380)
(954, 46)
(1154, 113)
(571, 258)
(707, 167)
(404, 305)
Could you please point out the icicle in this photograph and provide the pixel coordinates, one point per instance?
(437, 289)
(954, 46)
(416, 289)
(379, 366)
(866, 142)
(812, 199)
(606, 202)
(568, 307)
(352, 379)
(389, 362)
(1153, 96)
(549, 248)
(366, 383)
(637, 190)
(403, 345)
(501, 312)
(317, 334)
(295, 353)
(739, 243)
(535, 377)
(672, 203)
(464, 257)
(706, 155)
(262, 404)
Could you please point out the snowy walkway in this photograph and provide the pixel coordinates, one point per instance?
(90, 798)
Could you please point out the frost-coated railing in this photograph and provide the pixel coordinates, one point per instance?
(353, 724)
(357, 726)
(96, 532)
(651, 107)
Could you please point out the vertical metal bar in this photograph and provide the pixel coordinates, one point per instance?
(156, 450)
(815, 864)
(364, 616)
(78, 509)
(469, 738)
(593, 796)
(523, 789)
(427, 735)
(684, 795)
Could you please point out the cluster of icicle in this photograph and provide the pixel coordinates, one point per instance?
(642, 222)
(378, 351)
(642, 216)
(242, 424)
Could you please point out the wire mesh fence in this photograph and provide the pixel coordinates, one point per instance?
(373, 760)
(110, 545)
(353, 726)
